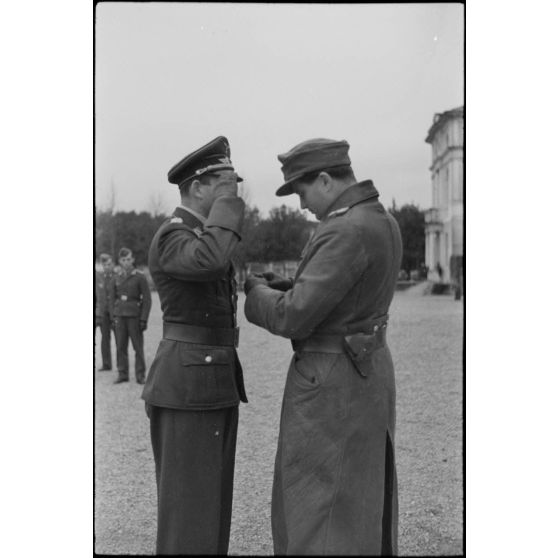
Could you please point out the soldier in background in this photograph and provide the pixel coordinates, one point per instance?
(195, 383)
(102, 311)
(335, 487)
(130, 303)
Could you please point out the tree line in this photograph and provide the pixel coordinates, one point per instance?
(280, 236)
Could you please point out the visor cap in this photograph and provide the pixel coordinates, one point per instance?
(213, 157)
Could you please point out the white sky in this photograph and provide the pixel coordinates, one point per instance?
(171, 77)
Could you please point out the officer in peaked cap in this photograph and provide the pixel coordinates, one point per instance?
(195, 382)
(334, 486)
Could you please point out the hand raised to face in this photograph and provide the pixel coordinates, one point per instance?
(226, 184)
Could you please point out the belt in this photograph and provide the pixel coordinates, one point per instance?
(335, 343)
(202, 335)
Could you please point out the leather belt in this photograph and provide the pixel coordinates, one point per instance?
(203, 335)
(334, 344)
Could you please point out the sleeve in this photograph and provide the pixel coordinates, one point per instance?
(145, 299)
(185, 256)
(111, 296)
(98, 295)
(335, 262)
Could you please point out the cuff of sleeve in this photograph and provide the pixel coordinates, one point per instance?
(227, 213)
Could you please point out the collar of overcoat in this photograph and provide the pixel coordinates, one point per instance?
(354, 194)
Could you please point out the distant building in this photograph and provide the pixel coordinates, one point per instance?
(444, 220)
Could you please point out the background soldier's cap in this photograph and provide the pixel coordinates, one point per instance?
(309, 156)
(213, 157)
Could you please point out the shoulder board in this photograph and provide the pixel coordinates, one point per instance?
(337, 212)
(178, 221)
(137, 272)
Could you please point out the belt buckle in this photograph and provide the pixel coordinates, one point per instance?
(236, 336)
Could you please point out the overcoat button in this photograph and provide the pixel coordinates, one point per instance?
(208, 358)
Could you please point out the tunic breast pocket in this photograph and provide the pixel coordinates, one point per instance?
(209, 376)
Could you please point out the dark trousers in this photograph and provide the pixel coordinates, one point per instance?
(105, 340)
(194, 466)
(129, 328)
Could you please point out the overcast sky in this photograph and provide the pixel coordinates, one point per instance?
(171, 77)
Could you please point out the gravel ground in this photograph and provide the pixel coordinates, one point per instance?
(425, 337)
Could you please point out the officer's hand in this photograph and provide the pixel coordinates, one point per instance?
(277, 282)
(252, 281)
(143, 325)
(227, 185)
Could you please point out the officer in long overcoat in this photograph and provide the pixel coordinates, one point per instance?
(130, 304)
(335, 487)
(102, 311)
(195, 383)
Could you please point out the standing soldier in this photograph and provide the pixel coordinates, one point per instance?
(130, 303)
(335, 488)
(102, 311)
(195, 383)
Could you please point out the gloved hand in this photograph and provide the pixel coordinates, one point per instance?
(143, 325)
(277, 282)
(226, 184)
(252, 281)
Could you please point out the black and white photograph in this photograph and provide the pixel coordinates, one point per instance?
(279, 278)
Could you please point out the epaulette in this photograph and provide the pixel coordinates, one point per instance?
(340, 211)
(179, 221)
(137, 271)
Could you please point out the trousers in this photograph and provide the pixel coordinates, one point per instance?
(125, 329)
(106, 332)
(194, 455)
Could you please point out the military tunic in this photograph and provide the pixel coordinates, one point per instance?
(195, 382)
(102, 314)
(335, 486)
(130, 303)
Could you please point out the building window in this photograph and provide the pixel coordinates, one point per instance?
(458, 187)
(443, 190)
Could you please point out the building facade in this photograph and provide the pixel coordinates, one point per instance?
(444, 220)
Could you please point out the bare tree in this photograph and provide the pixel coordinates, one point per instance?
(111, 198)
(111, 208)
(156, 204)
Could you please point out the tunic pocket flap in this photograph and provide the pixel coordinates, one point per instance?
(206, 357)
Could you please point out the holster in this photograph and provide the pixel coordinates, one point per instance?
(361, 346)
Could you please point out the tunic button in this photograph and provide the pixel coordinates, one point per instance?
(375, 328)
(208, 358)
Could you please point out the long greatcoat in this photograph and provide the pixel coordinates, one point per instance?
(335, 486)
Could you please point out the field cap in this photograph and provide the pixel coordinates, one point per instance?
(211, 158)
(309, 156)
